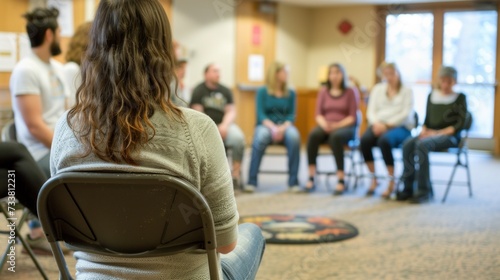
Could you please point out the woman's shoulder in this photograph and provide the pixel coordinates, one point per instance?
(62, 123)
(351, 91)
(378, 88)
(406, 89)
(71, 66)
(263, 90)
(193, 117)
(323, 90)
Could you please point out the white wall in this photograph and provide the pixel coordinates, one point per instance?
(356, 50)
(293, 41)
(209, 33)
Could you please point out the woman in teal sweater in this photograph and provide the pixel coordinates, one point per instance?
(444, 120)
(275, 118)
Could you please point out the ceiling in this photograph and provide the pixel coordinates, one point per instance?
(353, 2)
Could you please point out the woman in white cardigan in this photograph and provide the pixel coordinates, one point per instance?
(390, 117)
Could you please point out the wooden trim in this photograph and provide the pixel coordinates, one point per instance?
(496, 121)
(12, 21)
(380, 44)
(437, 49)
(248, 16)
(167, 5)
(427, 7)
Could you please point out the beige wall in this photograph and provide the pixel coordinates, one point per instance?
(356, 51)
(208, 32)
(293, 41)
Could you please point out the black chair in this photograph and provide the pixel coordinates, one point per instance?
(414, 133)
(461, 151)
(93, 212)
(6, 210)
(9, 132)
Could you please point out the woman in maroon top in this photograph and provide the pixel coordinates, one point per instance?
(336, 109)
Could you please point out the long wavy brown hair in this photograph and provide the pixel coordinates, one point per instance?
(79, 43)
(126, 75)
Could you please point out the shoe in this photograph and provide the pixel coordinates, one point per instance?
(294, 189)
(421, 198)
(403, 196)
(371, 190)
(237, 185)
(387, 194)
(338, 192)
(312, 188)
(40, 246)
(249, 188)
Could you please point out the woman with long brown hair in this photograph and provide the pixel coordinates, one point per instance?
(124, 121)
(336, 116)
(390, 117)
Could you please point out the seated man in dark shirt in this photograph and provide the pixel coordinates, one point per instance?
(216, 100)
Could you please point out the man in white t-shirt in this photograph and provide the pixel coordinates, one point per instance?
(38, 99)
(36, 85)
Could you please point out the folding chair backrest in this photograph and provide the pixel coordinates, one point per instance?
(416, 119)
(465, 131)
(126, 215)
(359, 121)
(9, 132)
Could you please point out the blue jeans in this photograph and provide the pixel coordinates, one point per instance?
(263, 138)
(235, 140)
(386, 142)
(244, 261)
(416, 161)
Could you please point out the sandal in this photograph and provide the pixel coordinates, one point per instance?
(337, 191)
(387, 194)
(373, 187)
(310, 186)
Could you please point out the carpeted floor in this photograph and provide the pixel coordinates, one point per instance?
(456, 240)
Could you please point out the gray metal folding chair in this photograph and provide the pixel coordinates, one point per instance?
(9, 132)
(125, 215)
(461, 150)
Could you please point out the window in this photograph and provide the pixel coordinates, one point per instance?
(409, 44)
(468, 43)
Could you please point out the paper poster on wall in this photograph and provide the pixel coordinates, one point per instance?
(8, 51)
(256, 68)
(66, 15)
(24, 45)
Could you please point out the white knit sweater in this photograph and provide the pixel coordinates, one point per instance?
(397, 111)
(192, 150)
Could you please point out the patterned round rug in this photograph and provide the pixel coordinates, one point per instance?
(294, 229)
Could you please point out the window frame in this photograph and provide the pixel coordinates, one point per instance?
(439, 10)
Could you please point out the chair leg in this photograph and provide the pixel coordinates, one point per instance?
(23, 242)
(29, 250)
(357, 169)
(450, 182)
(466, 165)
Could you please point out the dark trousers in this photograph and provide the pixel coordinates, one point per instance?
(386, 142)
(29, 178)
(336, 140)
(416, 161)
